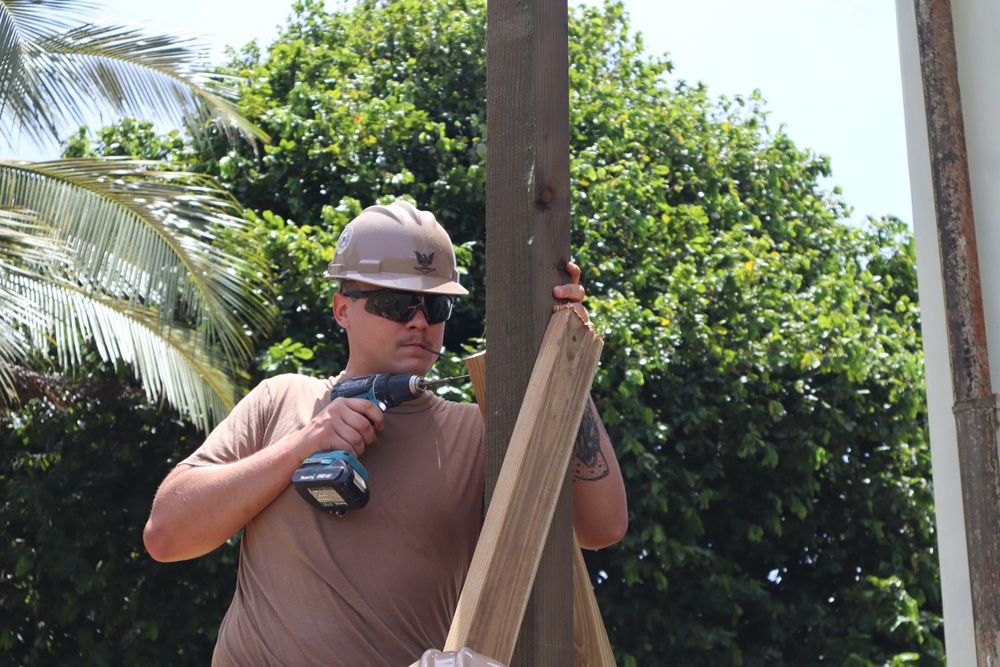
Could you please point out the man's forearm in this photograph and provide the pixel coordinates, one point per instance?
(198, 508)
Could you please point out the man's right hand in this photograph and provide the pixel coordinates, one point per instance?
(347, 424)
(197, 508)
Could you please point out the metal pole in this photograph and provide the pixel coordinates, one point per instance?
(974, 403)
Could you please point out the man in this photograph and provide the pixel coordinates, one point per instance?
(379, 585)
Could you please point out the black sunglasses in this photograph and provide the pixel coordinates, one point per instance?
(400, 306)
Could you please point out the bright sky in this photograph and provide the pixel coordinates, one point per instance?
(828, 69)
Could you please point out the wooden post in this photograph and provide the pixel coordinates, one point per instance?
(527, 244)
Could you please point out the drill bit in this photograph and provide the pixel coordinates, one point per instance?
(430, 383)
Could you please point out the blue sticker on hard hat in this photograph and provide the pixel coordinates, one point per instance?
(345, 239)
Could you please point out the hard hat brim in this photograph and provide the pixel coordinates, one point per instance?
(405, 282)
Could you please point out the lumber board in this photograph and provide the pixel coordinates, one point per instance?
(476, 365)
(498, 586)
(591, 646)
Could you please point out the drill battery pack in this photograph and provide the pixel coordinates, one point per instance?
(332, 481)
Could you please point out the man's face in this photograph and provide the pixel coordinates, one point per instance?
(380, 344)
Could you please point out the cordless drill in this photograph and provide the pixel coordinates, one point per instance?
(335, 481)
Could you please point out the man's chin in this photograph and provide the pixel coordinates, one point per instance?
(417, 362)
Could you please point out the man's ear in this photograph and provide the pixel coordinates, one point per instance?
(340, 310)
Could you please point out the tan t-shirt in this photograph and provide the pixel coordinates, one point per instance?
(377, 586)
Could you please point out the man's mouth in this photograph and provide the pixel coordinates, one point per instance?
(423, 346)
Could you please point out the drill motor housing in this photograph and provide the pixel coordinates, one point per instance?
(386, 390)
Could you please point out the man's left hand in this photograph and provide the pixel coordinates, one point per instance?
(572, 292)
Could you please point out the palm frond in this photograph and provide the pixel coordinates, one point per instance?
(140, 232)
(23, 243)
(169, 361)
(55, 71)
(25, 239)
(118, 253)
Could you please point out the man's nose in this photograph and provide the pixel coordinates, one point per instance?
(419, 319)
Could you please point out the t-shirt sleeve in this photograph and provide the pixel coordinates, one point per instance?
(240, 434)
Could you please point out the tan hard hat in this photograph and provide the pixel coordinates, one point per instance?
(397, 246)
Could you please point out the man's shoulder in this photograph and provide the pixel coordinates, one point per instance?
(466, 417)
(293, 385)
(442, 403)
(296, 380)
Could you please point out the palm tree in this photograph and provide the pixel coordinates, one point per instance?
(144, 263)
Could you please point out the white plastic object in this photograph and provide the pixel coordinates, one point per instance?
(464, 657)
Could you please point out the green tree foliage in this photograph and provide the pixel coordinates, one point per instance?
(361, 111)
(78, 588)
(762, 371)
(763, 381)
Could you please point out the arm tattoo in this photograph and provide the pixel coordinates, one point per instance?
(589, 463)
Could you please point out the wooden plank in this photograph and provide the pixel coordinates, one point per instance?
(488, 617)
(476, 365)
(527, 244)
(591, 646)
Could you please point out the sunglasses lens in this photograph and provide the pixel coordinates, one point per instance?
(438, 308)
(402, 306)
(393, 306)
